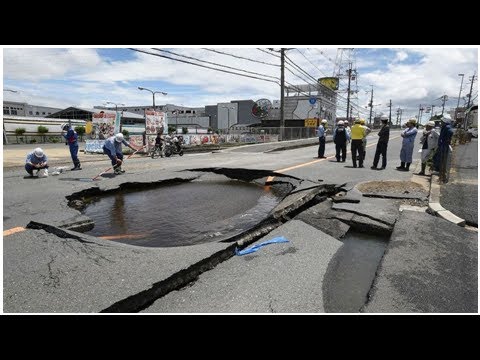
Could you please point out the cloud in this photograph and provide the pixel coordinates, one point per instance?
(65, 77)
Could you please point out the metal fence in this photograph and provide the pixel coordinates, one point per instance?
(290, 133)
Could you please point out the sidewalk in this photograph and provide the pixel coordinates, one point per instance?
(457, 200)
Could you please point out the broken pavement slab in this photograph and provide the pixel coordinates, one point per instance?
(382, 210)
(431, 269)
(83, 274)
(279, 278)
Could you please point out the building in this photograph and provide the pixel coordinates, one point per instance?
(25, 109)
(304, 102)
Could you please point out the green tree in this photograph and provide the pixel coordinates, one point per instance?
(171, 129)
(42, 130)
(184, 130)
(80, 131)
(19, 132)
(125, 133)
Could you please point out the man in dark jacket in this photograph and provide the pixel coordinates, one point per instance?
(384, 135)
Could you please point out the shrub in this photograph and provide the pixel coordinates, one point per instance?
(125, 133)
(19, 132)
(184, 130)
(42, 130)
(172, 129)
(80, 131)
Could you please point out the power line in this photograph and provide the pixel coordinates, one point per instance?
(291, 62)
(212, 63)
(311, 62)
(241, 57)
(269, 53)
(204, 66)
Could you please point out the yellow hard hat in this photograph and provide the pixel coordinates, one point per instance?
(362, 121)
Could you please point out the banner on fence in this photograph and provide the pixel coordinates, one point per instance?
(155, 121)
(104, 125)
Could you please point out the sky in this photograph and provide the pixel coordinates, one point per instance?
(87, 77)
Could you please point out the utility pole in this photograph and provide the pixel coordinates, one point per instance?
(432, 110)
(390, 117)
(459, 94)
(420, 112)
(399, 111)
(349, 71)
(282, 95)
(470, 93)
(371, 107)
(444, 100)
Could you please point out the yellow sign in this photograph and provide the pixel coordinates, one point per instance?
(330, 82)
(88, 127)
(310, 122)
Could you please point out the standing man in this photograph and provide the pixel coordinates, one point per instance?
(364, 142)
(113, 148)
(71, 136)
(322, 131)
(36, 160)
(429, 142)
(383, 137)
(340, 138)
(408, 143)
(358, 133)
(444, 140)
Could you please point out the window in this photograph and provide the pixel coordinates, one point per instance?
(30, 112)
(37, 113)
(6, 111)
(14, 112)
(43, 112)
(49, 113)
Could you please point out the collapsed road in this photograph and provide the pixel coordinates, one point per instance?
(52, 266)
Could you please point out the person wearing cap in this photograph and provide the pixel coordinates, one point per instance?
(444, 140)
(113, 148)
(71, 136)
(322, 131)
(36, 160)
(383, 137)
(429, 143)
(340, 138)
(358, 132)
(408, 143)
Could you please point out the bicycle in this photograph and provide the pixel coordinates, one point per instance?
(156, 152)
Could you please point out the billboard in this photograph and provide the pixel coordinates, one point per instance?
(103, 124)
(330, 82)
(311, 123)
(155, 121)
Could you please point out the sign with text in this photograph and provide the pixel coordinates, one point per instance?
(310, 122)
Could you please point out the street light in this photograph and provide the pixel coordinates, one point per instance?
(153, 94)
(5, 140)
(229, 108)
(116, 104)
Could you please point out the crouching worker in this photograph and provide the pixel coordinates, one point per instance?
(113, 148)
(37, 160)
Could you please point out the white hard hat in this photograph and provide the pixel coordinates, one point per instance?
(384, 117)
(119, 137)
(324, 121)
(38, 152)
(64, 126)
(446, 119)
(430, 123)
(340, 122)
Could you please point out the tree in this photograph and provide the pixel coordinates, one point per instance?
(80, 131)
(125, 133)
(184, 130)
(42, 130)
(19, 132)
(172, 129)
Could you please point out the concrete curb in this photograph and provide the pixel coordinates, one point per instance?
(436, 208)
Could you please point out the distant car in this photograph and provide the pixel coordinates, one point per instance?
(474, 132)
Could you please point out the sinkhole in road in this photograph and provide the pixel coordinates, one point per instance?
(182, 214)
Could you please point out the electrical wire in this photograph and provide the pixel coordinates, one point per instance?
(241, 57)
(204, 66)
